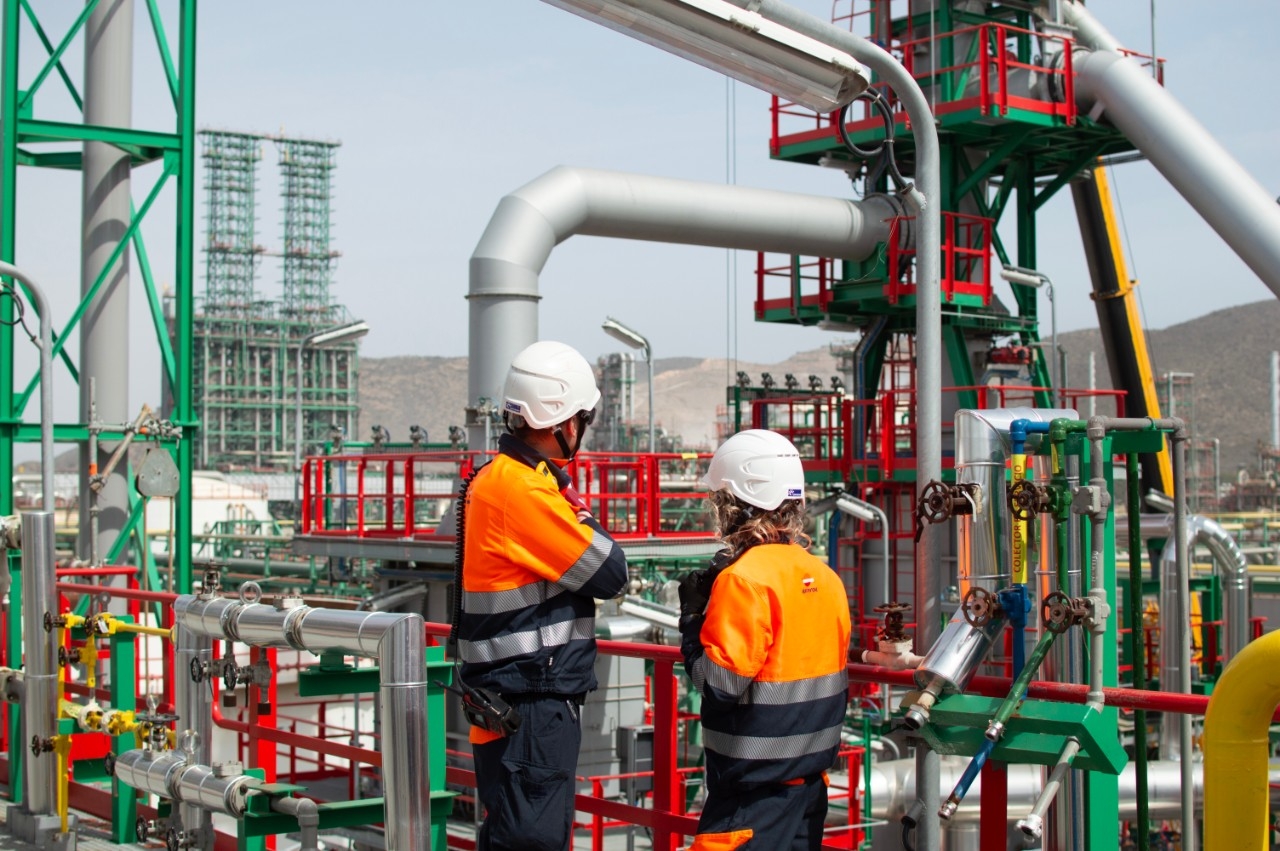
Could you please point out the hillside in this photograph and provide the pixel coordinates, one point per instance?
(1228, 351)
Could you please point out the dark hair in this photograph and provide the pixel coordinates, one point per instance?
(742, 526)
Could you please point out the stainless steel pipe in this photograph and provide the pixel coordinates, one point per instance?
(193, 702)
(168, 774)
(40, 646)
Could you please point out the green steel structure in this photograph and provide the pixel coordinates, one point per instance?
(231, 253)
(306, 166)
(27, 139)
(246, 353)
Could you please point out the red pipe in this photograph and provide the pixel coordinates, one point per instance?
(123, 593)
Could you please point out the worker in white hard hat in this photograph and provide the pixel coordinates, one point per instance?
(765, 638)
(534, 561)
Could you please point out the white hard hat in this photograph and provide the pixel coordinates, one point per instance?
(548, 383)
(759, 467)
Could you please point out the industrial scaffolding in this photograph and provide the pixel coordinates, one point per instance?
(246, 354)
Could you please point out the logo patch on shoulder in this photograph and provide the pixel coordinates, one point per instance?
(807, 582)
(795, 493)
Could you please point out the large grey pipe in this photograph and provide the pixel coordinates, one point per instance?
(104, 330)
(397, 641)
(46, 381)
(1226, 196)
(530, 222)
(40, 649)
(1230, 563)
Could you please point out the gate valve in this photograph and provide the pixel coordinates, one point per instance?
(940, 501)
(176, 840)
(1028, 498)
(980, 606)
(41, 746)
(892, 628)
(199, 670)
(1059, 612)
(68, 657)
(154, 729)
(143, 829)
(52, 621)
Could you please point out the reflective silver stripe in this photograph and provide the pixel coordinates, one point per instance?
(770, 747)
(527, 642)
(510, 600)
(698, 674)
(797, 691)
(722, 679)
(581, 571)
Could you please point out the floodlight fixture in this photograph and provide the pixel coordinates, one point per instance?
(635, 340)
(737, 42)
(1159, 501)
(1032, 278)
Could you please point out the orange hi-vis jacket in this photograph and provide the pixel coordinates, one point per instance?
(775, 643)
(531, 574)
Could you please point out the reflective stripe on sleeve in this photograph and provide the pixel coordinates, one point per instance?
(527, 642)
(722, 679)
(797, 691)
(581, 571)
(770, 747)
(510, 600)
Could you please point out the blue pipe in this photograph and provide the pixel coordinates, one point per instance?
(1019, 429)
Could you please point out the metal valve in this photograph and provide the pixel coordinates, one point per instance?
(143, 829)
(52, 621)
(41, 746)
(1028, 498)
(199, 670)
(1058, 611)
(68, 657)
(940, 501)
(980, 606)
(892, 629)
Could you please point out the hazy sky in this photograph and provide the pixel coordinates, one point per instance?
(444, 107)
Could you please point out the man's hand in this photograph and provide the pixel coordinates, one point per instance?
(579, 504)
(695, 591)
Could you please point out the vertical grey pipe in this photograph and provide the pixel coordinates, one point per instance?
(104, 330)
(930, 581)
(1226, 196)
(40, 647)
(531, 221)
(1190, 835)
(46, 381)
(193, 702)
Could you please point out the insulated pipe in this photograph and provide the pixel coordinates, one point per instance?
(46, 380)
(169, 774)
(983, 449)
(892, 782)
(193, 703)
(1236, 747)
(1230, 562)
(530, 222)
(397, 641)
(40, 646)
(1226, 196)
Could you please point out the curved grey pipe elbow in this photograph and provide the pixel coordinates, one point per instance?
(1226, 196)
(530, 222)
(1229, 562)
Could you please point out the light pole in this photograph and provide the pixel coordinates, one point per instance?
(316, 340)
(635, 340)
(1033, 278)
(868, 513)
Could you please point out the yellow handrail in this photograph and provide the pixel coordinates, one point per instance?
(1236, 748)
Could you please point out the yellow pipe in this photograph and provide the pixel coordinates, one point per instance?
(62, 747)
(1236, 747)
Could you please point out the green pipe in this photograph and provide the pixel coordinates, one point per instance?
(866, 779)
(1134, 599)
(1019, 690)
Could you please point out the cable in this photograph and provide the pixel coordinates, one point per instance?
(885, 150)
(19, 310)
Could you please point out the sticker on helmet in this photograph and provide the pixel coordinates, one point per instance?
(514, 407)
(795, 493)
